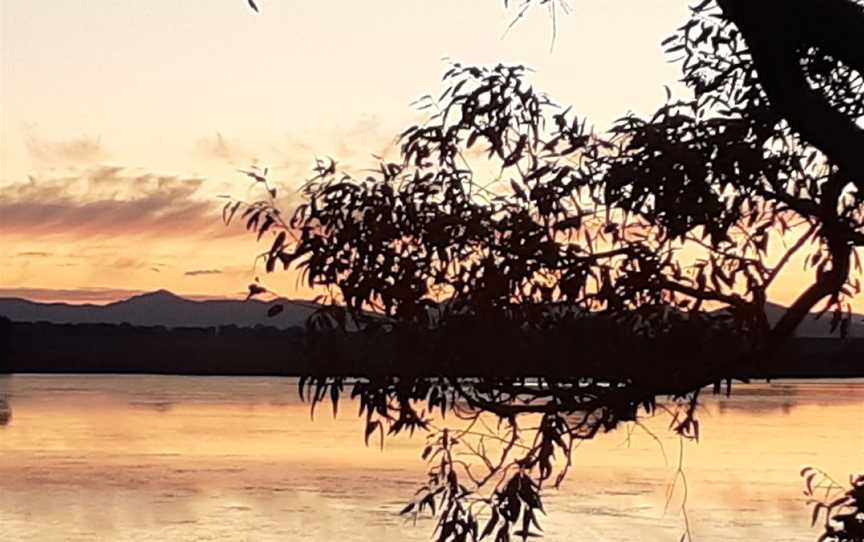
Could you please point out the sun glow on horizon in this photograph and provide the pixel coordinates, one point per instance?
(113, 156)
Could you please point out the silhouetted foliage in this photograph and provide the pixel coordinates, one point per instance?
(841, 509)
(507, 228)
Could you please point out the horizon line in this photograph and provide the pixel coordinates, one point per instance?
(102, 296)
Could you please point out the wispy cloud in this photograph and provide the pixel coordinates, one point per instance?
(33, 254)
(218, 147)
(130, 263)
(78, 150)
(371, 137)
(110, 201)
(199, 272)
(77, 295)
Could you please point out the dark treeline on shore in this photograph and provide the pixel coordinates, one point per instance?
(230, 350)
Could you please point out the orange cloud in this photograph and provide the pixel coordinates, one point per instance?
(109, 201)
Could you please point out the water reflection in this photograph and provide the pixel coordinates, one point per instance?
(171, 458)
(5, 407)
(5, 412)
(156, 406)
(784, 406)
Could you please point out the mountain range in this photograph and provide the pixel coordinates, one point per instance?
(163, 308)
(816, 327)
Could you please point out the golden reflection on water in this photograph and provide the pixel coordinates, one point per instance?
(172, 458)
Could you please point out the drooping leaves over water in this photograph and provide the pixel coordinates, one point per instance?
(513, 264)
(837, 509)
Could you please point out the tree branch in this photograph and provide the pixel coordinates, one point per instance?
(789, 253)
(777, 33)
(703, 294)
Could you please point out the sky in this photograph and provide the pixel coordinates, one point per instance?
(121, 122)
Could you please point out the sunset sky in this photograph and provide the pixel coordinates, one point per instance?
(121, 122)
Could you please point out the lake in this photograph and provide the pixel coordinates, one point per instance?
(161, 458)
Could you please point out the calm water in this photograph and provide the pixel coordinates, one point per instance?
(186, 459)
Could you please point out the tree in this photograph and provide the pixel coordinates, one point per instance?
(595, 271)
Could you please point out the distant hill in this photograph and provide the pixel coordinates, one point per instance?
(161, 308)
(811, 327)
(124, 349)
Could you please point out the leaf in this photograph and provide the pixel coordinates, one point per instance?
(334, 397)
(490, 525)
(370, 428)
(702, 5)
(253, 5)
(815, 516)
(574, 222)
(229, 210)
(265, 226)
(517, 152)
(277, 243)
(254, 290)
(518, 190)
